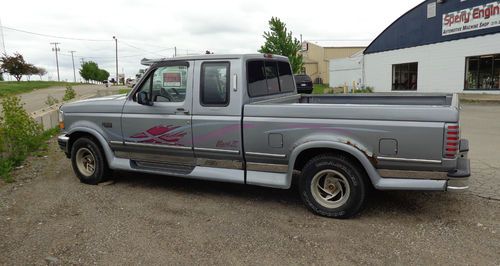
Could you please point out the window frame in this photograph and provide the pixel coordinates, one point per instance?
(267, 87)
(393, 71)
(466, 71)
(149, 73)
(228, 82)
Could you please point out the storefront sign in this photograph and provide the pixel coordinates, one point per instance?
(472, 19)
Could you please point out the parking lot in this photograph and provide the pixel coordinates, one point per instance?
(48, 216)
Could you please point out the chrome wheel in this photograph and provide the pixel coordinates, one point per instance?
(330, 188)
(85, 162)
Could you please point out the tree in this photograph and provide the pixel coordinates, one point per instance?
(280, 41)
(89, 71)
(1, 75)
(103, 75)
(31, 70)
(41, 72)
(15, 65)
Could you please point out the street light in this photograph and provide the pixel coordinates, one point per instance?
(116, 53)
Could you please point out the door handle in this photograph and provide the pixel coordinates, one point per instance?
(182, 110)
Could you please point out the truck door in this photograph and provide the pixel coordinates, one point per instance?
(216, 118)
(158, 134)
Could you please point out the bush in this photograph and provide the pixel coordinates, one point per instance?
(51, 100)
(69, 93)
(19, 135)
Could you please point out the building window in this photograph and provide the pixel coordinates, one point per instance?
(404, 77)
(482, 72)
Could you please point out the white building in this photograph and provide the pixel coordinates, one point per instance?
(438, 46)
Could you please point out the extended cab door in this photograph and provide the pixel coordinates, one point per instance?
(157, 133)
(217, 112)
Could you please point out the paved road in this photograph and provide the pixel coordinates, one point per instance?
(481, 125)
(35, 100)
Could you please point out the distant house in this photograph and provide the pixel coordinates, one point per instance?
(317, 55)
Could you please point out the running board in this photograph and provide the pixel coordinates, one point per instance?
(161, 167)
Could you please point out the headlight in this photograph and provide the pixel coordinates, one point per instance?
(61, 119)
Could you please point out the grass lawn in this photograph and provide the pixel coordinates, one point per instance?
(14, 87)
(318, 88)
(124, 91)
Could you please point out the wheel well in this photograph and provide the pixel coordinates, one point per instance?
(308, 154)
(76, 135)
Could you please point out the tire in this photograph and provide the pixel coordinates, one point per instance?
(333, 186)
(88, 161)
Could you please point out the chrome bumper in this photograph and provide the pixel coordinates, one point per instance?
(63, 140)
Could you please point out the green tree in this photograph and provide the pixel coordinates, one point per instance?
(15, 65)
(89, 71)
(103, 75)
(280, 41)
(1, 75)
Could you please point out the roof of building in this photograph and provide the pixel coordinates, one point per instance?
(340, 43)
(415, 28)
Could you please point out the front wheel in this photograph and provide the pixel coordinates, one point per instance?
(333, 186)
(88, 161)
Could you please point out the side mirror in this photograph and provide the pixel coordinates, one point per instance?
(142, 98)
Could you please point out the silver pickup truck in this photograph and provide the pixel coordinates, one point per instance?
(239, 119)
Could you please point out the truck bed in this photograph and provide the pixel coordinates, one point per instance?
(399, 107)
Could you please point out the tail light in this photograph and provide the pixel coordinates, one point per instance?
(451, 140)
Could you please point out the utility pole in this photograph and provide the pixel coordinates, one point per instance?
(73, 60)
(56, 49)
(116, 51)
(4, 51)
(175, 51)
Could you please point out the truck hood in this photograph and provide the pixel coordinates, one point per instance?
(108, 104)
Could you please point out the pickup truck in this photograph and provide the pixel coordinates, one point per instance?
(239, 119)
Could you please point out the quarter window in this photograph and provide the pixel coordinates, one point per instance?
(404, 77)
(214, 87)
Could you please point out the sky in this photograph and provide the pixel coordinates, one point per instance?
(151, 29)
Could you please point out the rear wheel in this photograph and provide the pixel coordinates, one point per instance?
(333, 186)
(88, 161)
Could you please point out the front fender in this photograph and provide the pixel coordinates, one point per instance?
(96, 134)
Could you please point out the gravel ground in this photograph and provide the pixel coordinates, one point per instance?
(47, 216)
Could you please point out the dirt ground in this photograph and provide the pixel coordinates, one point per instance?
(49, 216)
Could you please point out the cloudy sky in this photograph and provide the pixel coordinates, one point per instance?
(152, 28)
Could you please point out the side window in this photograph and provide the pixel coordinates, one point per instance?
(286, 78)
(167, 84)
(257, 85)
(214, 84)
(267, 77)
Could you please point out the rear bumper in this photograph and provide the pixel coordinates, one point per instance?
(459, 178)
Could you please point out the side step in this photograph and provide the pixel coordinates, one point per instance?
(161, 167)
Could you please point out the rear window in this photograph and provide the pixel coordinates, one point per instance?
(266, 77)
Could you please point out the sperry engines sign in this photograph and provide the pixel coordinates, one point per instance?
(472, 19)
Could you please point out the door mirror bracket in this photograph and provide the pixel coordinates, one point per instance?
(143, 98)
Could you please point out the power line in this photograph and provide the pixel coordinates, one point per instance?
(149, 52)
(53, 36)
